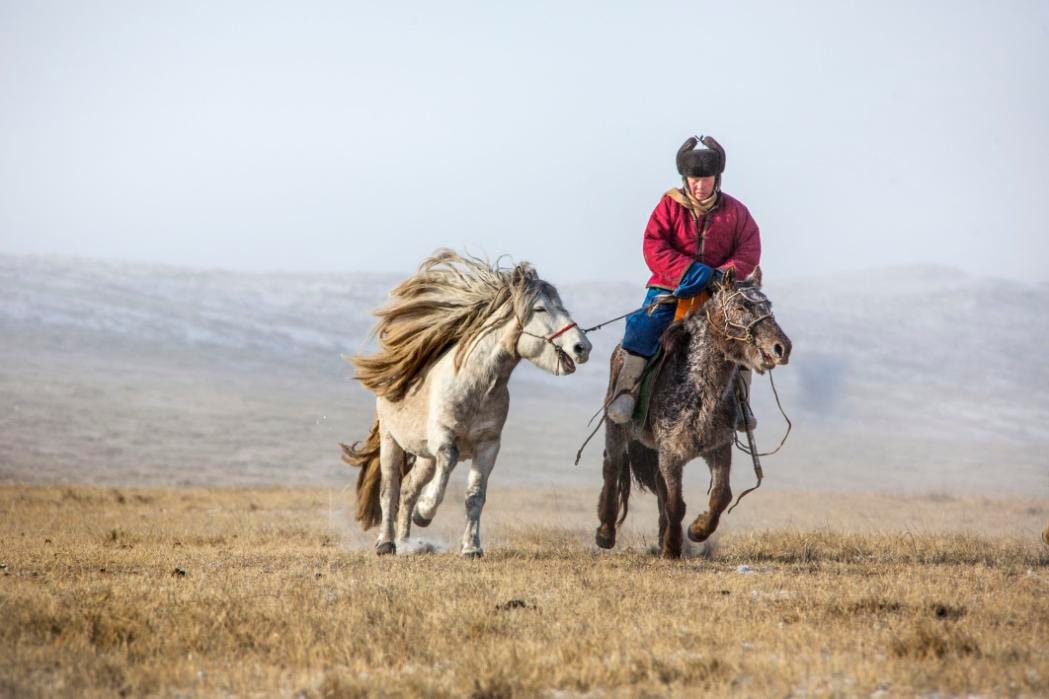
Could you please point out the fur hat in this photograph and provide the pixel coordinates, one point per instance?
(701, 162)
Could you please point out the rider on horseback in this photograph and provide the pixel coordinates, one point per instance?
(695, 233)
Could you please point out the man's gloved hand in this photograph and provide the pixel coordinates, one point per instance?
(695, 279)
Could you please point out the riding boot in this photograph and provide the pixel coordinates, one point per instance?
(744, 417)
(621, 409)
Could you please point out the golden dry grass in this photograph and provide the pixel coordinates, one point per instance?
(167, 592)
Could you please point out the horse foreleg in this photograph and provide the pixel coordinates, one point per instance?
(411, 487)
(391, 459)
(433, 494)
(720, 463)
(608, 503)
(476, 491)
(674, 506)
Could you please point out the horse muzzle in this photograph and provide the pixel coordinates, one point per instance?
(581, 350)
(565, 364)
(776, 353)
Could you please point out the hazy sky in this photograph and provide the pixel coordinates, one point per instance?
(363, 135)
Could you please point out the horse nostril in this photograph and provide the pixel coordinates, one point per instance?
(778, 349)
(580, 349)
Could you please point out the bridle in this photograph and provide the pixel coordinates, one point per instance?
(549, 339)
(728, 326)
(741, 390)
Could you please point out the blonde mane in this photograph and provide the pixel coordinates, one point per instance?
(452, 300)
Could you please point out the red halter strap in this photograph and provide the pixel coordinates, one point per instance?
(561, 332)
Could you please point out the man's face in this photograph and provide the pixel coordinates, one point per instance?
(700, 187)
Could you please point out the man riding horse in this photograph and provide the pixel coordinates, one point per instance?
(695, 234)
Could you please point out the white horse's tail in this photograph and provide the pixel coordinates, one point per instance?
(365, 456)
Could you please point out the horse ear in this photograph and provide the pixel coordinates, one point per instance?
(524, 273)
(729, 278)
(755, 277)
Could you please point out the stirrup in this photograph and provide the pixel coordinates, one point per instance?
(745, 418)
(619, 413)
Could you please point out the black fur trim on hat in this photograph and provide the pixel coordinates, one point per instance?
(704, 162)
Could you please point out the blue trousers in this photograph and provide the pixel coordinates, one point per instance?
(644, 328)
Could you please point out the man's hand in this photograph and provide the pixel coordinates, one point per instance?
(695, 279)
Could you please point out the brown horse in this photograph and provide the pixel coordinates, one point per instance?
(692, 411)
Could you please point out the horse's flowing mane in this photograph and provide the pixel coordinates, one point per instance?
(451, 300)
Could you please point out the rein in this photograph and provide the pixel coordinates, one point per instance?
(742, 395)
(667, 298)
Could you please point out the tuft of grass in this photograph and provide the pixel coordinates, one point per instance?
(798, 546)
(925, 641)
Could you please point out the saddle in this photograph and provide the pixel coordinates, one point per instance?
(644, 390)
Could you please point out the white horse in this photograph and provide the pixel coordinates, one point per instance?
(449, 338)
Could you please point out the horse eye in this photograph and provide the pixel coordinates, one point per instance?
(540, 309)
(749, 305)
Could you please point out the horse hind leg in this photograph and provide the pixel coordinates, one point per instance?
(615, 491)
(411, 488)
(720, 463)
(391, 464)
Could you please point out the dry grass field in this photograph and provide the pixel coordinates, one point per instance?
(271, 592)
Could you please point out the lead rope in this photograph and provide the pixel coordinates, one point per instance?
(661, 299)
(743, 397)
(743, 448)
(561, 354)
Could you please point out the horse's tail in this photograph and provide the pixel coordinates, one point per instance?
(366, 457)
(644, 464)
(639, 464)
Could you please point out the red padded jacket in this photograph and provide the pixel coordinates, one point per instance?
(672, 240)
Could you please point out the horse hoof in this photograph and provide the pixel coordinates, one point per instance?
(700, 530)
(385, 548)
(474, 554)
(419, 520)
(605, 541)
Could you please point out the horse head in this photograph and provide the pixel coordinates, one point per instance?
(740, 317)
(549, 337)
